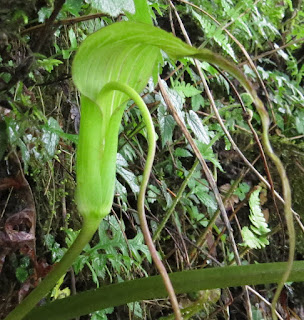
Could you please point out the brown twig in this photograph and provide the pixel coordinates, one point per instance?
(268, 53)
(24, 67)
(63, 22)
(247, 118)
(46, 32)
(212, 182)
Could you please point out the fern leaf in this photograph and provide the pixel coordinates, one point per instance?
(256, 236)
(214, 32)
(259, 224)
(250, 239)
(186, 90)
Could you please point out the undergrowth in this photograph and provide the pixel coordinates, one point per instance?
(40, 116)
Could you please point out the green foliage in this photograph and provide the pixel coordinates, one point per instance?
(40, 127)
(197, 127)
(58, 293)
(199, 193)
(241, 190)
(255, 237)
(49, 64)
(113, 253)
(113, 8)
(22, 271)
(166, 125)
(212, 31)
(36, 136)
(102, 314)
(185, 90)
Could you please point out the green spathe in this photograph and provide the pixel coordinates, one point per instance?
(128, 53)
(104, 57)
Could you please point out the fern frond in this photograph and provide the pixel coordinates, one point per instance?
(214, 32)
(256, 236)
(259, 224)
(185, 90)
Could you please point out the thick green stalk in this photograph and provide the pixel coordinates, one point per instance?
(152, 288)
(85, 235)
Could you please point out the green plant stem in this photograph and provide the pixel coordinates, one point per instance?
(85, 235)
(232, 69)
(175, 202)
(152, 288)
(145, 179)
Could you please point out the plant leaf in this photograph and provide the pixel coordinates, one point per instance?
(141, 14)
(166, 125)
(113, 7)
(256, 236)
(127, 175)
(51, 139)
(197, 127)
(152, 287)
(186, 90)
(259, 224)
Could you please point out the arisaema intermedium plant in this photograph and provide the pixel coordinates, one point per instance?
(111, 67)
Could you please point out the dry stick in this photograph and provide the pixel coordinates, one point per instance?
(226, 220)
(196, 151)
(203, 163)
(65, 22)
(214, 187)
(267, 53)
(248, 119)
(201, 240)
(48, 26)
(264, 300)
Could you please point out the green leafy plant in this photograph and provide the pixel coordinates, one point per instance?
(112, 252)
(58, 293)
(255, 237)
(22, 271)
(131, 52)
(113, 256)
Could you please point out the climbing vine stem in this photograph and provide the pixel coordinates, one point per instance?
(141, 197)
(232, 69)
